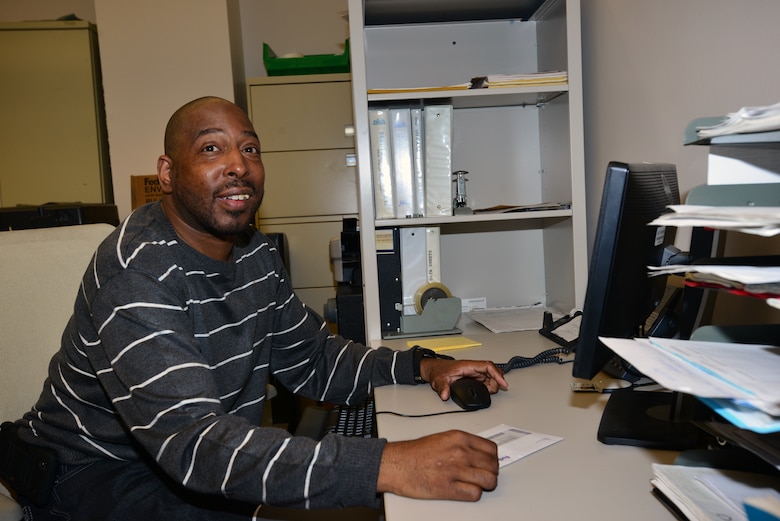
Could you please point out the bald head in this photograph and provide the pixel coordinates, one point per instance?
(180, 126)
(211, 174)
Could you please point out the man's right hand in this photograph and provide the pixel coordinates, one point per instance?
(450, 465)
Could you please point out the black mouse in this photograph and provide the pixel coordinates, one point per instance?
(470, 394)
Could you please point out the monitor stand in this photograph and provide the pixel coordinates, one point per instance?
(647, 419)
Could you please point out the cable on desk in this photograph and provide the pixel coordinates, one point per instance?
(419, 415)
(545, 357)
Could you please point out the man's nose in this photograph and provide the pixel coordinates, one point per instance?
(236, 164)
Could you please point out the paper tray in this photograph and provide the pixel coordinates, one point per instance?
(311, 64)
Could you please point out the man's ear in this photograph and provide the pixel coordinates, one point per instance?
(164, 168)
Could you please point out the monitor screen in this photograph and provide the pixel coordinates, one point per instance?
(620, 296)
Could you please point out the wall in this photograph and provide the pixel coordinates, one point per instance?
(156, 56)
(292, 26)
(650, 68)
(27, 10)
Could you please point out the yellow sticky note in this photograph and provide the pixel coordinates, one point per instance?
(444, 343)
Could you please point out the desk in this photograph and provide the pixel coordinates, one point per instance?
(577, 478)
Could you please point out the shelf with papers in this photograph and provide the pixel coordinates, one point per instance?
(752, 138)
(476, 218)
(745, 414)
(747, 125)
(476, 98)
(519, 144)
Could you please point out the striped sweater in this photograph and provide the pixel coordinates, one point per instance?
(167, 356)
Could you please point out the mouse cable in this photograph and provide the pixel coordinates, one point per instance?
(549, 356)
(419, 415)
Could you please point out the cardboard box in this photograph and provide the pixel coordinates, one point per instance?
(144, 189)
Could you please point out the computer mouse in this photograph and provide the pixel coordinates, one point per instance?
(470, 394)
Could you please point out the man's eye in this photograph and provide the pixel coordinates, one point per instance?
(210, 148)
(252, 150)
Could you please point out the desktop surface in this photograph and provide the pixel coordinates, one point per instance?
(576, 478)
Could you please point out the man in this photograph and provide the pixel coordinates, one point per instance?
(154, 400)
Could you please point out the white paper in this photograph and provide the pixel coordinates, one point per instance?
(708, 493)
(747, 119)
(511, 318)
(514, 444)
(707, 369)
(756, 220)
(741, 274)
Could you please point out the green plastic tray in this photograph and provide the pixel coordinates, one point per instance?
(311, 64)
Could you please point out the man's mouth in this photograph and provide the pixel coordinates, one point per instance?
(237, 197)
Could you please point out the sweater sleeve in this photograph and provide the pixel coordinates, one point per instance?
(150, 362)
(311, 361)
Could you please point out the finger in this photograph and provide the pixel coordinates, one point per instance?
(484, 456)
(498, 376)
(464, 491)
(481, 478)
(493, 378)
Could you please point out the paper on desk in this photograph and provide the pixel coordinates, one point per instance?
(707, 369)
(511, 318)
(444, 343)
(514, 444)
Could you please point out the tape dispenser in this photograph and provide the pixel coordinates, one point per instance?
(437, 313)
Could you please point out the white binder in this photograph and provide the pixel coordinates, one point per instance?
(381, 163)
(438, 160)
(401, 144)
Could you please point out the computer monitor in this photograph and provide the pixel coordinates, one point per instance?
(620, 297)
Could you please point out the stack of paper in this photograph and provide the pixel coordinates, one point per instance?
(539, 207)
(746, 119)
(756, 220)
(520, 80)
(531, 79)
(761, 281)
(701, 493)
(394, 90)
(739, 381)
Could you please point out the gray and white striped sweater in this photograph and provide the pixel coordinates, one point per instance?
(167, 356)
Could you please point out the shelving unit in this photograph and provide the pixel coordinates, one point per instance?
(737, 195)
(520, 145)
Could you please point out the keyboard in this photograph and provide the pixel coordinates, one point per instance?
(355, 420)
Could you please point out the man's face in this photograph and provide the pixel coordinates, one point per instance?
(216, 174)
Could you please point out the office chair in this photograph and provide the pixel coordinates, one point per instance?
(40, 273)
